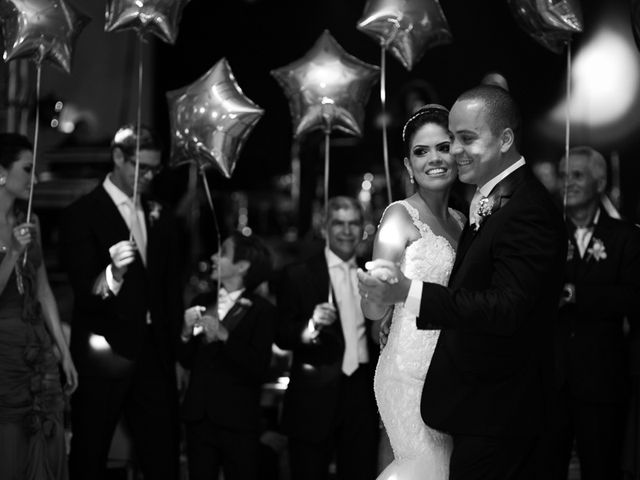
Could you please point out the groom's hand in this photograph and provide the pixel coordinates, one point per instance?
(375, 290)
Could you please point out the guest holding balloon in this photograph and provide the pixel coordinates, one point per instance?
(122, 252)
(32, 345)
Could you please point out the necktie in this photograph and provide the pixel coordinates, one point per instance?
(349, 315)
(473, 207)
(137, 231)
(583, 236)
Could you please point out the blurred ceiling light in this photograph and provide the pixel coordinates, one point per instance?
(604, 81)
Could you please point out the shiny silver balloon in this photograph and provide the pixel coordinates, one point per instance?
(146, 17)
(550, 22)
(41, 30)
(327, 88)
(407, 28)
(211, 119)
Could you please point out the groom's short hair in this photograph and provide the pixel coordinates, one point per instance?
(342, 203)
(502, 110)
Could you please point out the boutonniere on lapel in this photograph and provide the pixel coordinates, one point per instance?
(484, 209)
(154, 211)
(597, 251)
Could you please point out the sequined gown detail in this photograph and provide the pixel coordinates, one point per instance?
(31, 398)
(420, 452)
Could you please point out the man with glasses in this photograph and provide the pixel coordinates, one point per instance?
(122, 257)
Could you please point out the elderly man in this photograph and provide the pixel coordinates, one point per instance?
(329, 407)
(602, 285)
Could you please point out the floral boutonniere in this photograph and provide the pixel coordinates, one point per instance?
(154, 212)
(483, 210)
(597, 251)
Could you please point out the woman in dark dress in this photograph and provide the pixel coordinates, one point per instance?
(32, 344)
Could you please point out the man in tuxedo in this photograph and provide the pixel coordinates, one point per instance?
(127, 314)
(228, 360)
(329, 407)
(602, 286)
(489, 383)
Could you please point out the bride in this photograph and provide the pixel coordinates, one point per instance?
(420, 233)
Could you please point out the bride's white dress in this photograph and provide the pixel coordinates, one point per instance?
(420, 452)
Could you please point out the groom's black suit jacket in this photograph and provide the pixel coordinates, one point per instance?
(491, 372)
(89, 227)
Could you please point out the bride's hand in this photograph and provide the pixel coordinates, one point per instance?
(384, 274)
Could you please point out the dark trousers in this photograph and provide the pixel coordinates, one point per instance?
(148, 400)
(484, 458)
(353, 440)
(597, 429)
(211, 447)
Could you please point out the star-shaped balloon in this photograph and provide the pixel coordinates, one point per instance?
(327, 88)
(211, 119)
(146, 17)
(41, 29)
(407, 28)
(550, 22)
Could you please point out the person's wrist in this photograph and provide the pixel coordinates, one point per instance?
(117, 273)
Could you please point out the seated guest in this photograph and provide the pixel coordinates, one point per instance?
(329, 407)
(226, 343)
(602, 285)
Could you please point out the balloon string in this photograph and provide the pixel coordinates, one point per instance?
(383, 100)
(32, 180)
(567, 129)
(326, 169)
(207, 192)
(36, 134)
(136, 174)
(327, 132)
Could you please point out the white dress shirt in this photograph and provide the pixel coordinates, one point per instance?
(344, 282)
(226, 300)
(414, 297)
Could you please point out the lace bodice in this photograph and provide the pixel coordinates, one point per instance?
(405, 359)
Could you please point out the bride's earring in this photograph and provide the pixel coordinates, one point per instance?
(3, 180)
(411, 179)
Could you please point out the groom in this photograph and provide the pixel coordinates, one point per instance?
(490, 377)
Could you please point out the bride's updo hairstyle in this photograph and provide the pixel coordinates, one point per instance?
(432, 113)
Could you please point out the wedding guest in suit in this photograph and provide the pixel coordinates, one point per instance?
(32, 344)
(329, 407)
(489, 383)
(127, 314)
(228, 361)
(601, 287)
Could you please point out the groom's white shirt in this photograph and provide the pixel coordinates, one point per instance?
(414, 297)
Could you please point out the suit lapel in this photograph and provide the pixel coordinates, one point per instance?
(237, 312)
(501, 194)
(109, 221)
